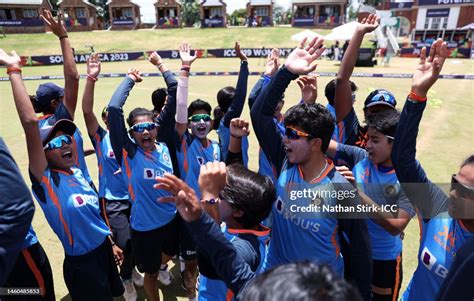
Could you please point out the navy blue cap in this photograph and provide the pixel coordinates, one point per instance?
(380, 97)
(46, 93)
(64, 125)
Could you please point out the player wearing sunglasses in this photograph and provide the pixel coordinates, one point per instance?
(300, 163)
(141, 160)
(442, 235)
(113, 193)
(69, 203)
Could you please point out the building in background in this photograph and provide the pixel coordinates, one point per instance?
(79, 15)
(168, 13)
(318, 13)
(260, 13)
(22, 16)
(213, 13)
(124, 14)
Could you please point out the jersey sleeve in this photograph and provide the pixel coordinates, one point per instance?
(235, 109)
(404, 203)
(98, 136)
(16, 211)
(350, 127)
(350, 154)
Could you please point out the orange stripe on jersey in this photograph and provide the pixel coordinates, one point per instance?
(99, 151)
(55, 200)
(229, 295)
(340, 127)
(334, 241)
(397, 279)
(185, 152)
(34, 268)
(129, 175)
(263, 232)
(44, 116)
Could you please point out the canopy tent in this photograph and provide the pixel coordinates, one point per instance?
(309, 34)
(343, 32)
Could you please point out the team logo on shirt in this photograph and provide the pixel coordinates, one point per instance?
(216, 156)
(390, 190)
(166, 157)
(279, 205)
(80, 200)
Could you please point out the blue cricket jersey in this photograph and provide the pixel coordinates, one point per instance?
(71, 208)
(112, 185)
(265, 168)
(30, 238)
(253, 252)
(191, 155)
(224, 139)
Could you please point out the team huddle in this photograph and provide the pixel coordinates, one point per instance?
(166, 190)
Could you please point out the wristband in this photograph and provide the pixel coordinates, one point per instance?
(134, 76)
(94, 79)
(62, 37)
(413, 96)
(211, 201)
(159, 65)
(13, 69)
(185, 68)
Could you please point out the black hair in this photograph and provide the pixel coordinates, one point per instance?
(138, 112)
(158, 98)
(330, 90)
(314, 119)
(198, 105)
(250, 192)
(300, 281)
(225, 96)
(218, 115)
(469, 161)
(384, 121)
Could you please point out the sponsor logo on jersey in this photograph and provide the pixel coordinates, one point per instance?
(111, 154)
(150, 174)
(431, 263)
(80, 200)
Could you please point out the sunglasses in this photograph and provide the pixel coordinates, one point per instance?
(294, 134)
(199, 117)
(141, 127)
(57, 142)
(462, 190)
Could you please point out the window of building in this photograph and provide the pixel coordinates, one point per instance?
(305, 12)
(127, 12)
(30, 13)
(436, 23)
(329, 10)
(81, 13)
(216, 11)
(261, 11)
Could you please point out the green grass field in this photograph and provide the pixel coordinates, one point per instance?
(446, 135)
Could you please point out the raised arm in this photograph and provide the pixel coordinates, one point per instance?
(271, 68)
(29, 121)
(343, 97)
(182, 94)
(118, 132)
(299, 62)
(427, 197)
(71, 76)
(93, 71)
(235, 109)
(238, 128)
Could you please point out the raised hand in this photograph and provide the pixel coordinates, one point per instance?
(185, 53)
(429, 68)
(239, 52)
(309, 88)
(93, 65)
(212, 179)
(301, 60)
(155, 58)
(369, 24)
(135, 75)
(56, 25)
(10, 60)
(239, 128)
(273, 62)
(184, 197)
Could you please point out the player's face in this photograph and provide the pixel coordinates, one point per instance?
(225, 211)
(144, 132)
(378, 146)
(298, 150)
(461, 205)
(61, 158)
(200, 127)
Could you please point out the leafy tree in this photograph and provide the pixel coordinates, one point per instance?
(190, 12)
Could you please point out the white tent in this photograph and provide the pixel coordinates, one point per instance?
(305, 34)
(343, 32)
(467, 27)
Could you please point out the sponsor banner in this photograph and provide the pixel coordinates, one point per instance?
(123, 22)
(452, 52)
(174, 54)
(21, 22)
(400, 5)
(213, 22)
(303, 22)
(249, 52)
(326, 74)
(443, 2)
(428, 45)
(437, 13)
(82, 58)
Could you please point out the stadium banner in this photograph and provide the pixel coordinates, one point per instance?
(22, 22)
(233, 73)
(443, 2)
(452, 52)
(82, 58)
(249, 52)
